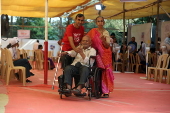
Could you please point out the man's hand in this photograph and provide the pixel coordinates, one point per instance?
(76, 50)
(79, 49)
(62, 54)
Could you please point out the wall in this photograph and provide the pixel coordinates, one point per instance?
(27, 44)
(141, 32)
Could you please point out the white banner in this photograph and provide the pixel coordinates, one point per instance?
(141, 32)
(23, 33)
(165, 29)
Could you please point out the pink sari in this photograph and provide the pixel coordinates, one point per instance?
(106, 56)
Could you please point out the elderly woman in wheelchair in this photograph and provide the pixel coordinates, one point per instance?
(79, 69)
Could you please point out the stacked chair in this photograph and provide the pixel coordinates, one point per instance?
(157, 72)
(138, 64)
(132, 62)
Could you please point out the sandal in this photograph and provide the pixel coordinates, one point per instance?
(76, 91)
(106, 96)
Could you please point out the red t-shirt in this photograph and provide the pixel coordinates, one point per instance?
(76, 33)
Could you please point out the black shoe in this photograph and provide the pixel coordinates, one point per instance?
(31, 73)
(17, 76)
(28, 81)
(67, 94)
(76, 91)
(106, 96)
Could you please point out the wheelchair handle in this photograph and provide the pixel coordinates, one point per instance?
(93, 57)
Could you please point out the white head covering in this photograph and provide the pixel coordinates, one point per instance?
(14, 40)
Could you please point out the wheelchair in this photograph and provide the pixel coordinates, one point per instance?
(92, 86)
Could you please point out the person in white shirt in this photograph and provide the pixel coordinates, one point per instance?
(12, 46)
(79, 66)
(35, 46)
(114, 51)
(166, 43)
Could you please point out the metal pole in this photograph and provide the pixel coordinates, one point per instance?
(164, 11)
(60, 29)
(11, 35)
(157, 25)
(46, 44)
(124, 22)
(0, 24)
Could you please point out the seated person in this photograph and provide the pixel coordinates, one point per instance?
(114, 51)
(142, 57)
(12, 46)
(133, 44)
(123, 50)
(152, 47)
(52, 66)
(79, 65)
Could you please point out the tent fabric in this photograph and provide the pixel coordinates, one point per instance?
(36, 8)
(115, 6)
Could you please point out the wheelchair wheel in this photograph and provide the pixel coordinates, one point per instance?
(97, 83)
(89, 94)
(89, 91)
(61, 97)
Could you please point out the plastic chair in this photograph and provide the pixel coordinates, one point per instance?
(10, 67)
(132, 62)
(166, 70)
(168, 76)
(3, 63)
(50, 54)
(18, 54)
(117, 64)
(137, 63)
(39, 59)
(160, 64)
(153, 60)
(24, 53)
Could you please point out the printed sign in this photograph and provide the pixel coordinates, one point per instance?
(23, 33)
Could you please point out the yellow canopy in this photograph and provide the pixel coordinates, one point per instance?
(114, 7)
(36, 8)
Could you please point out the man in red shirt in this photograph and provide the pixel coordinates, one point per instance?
(72, 37)
(73, 34)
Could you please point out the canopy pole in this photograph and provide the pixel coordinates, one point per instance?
(46, 44)
(157, 25)
(0, 25)
(123, 22)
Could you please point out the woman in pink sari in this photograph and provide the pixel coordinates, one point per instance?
(101, 42)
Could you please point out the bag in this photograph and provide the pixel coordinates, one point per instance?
(99, 62)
